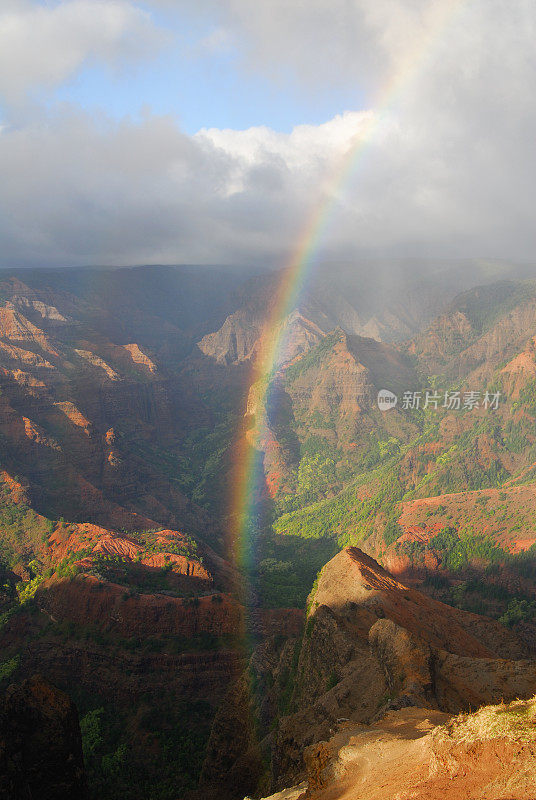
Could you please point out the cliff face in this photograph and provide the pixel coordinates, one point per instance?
(369, 302)
(325, 400)
(353, 581)
(148, 672)
(116, 438)
(106, 413)
(480, 329)
(425, 755)
(350, 374)
(89, 601)
(101, 387)
(238, 752)
(40, 744)
(372, 644)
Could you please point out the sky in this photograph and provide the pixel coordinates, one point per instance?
(174, 131)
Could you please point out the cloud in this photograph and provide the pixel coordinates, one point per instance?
(42, 46)
(81, 192)
(307, 151)
(326, 42)
(448, 170)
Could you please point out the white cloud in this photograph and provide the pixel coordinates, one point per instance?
(41, 46)
(307, 151)
(449, 169)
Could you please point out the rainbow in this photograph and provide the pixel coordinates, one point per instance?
(247, 477)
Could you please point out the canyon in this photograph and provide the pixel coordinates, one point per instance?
(390, 584)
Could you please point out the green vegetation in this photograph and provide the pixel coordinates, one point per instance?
(8, 668)
(514, 721)
(316, 477)
(24, 533)
(64, 631)
(346, 518)
(332, 681)
(287, 568)
(207, 450)
(185, 546)
(121, 570)
(519, 610)
(527, 398)
(458, 552)
(392, 531)
(288, 680)
(195, 465)
(175, 733)
(475, 576)
(314, 357)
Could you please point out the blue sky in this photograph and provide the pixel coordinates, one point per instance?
(204, 85)
(203, 91)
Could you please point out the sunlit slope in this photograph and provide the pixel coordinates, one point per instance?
(444, 492)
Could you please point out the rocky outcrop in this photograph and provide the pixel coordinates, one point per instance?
(372, 643)
(359, 592)
(406, 661)
(86, 600)
(343, 379)
(423, 754)
(130, 560)
(294, 793)
(329, 394)
(40, 744)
